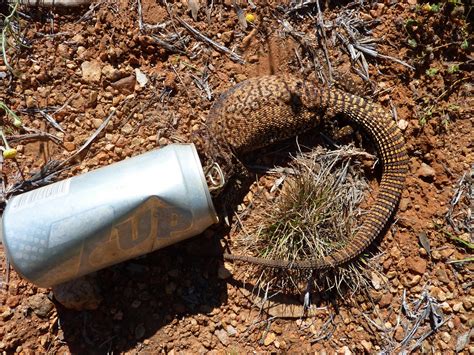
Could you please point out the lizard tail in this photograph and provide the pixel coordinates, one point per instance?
(391, 148)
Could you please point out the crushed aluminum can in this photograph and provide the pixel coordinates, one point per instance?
(79, 225)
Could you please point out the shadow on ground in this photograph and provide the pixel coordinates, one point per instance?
(145, 294)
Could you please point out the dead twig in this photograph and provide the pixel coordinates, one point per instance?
(215, 45)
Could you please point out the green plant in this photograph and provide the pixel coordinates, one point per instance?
(432, 72)
(453, 69)
(8, 152)
(412, 43)
(465, 44)
(16, 121)
(9, 32)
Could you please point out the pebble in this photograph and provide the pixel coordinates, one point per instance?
(40, 304)
(127, 128)
(367, 345)
(386, 300)
(231, 331)
(269, 338)
(376, 281)
(416, 264)
(221, 334)
(96, 122)
(402, 124)
(91, 71)
(69, 146)
(414, 280)
(399, 333)
(125, 85)
(426, 171)
(6, 312)
(142, 79)
(439, 294)
(404, 203)
(442, 276)
(80, 294)
(111, 73)
(457, 307)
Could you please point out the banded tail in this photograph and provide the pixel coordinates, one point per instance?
(391, 148)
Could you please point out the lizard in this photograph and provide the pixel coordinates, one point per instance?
(264, 110)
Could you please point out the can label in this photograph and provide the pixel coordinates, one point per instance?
(44, 193)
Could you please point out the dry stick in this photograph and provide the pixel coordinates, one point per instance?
(215, 45)
(320, 25)
(306, 46)
(34, 135)
(168, 46)
(51, 120)
(53, 3)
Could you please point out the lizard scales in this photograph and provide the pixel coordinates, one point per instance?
(264, 110)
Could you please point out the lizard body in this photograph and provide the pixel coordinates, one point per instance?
(264, 110)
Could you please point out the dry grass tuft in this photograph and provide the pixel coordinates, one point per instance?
(315, 214)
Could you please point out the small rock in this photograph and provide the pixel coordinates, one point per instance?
(30, 102)
(227, 37)
(439, 294)
(442, 276)
(79, 294)
(13, 301)
(402, 124)
(125, 85)
(40, 304)
(240, 77)
(96, 122)
(269, 338)
(111, 73)
(367, 345)
(376, 281)
(467, 302)
(221, 334)
(69, 146)
(344, 350)
(6, 312)
(141, 78)
(127, 128)
(436, 255)
(404, 203)
(415, 280)
(426, 171)
(457, 307)
(386, 300)
(446, 253)
(231, 331)
(91, 71)
(399, 333)
(416, 265)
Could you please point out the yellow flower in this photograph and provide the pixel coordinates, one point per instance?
(426, 7)
(9, 153)
(250, 17)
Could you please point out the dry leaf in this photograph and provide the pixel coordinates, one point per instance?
(194, 6)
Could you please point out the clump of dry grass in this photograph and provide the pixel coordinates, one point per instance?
(315, 214)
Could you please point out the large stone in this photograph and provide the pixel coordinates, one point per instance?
(426, 171)
(416, 265)
(40, 304)
(79, 294)
(91, 71)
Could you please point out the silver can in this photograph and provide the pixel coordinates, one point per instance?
(82, 224)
